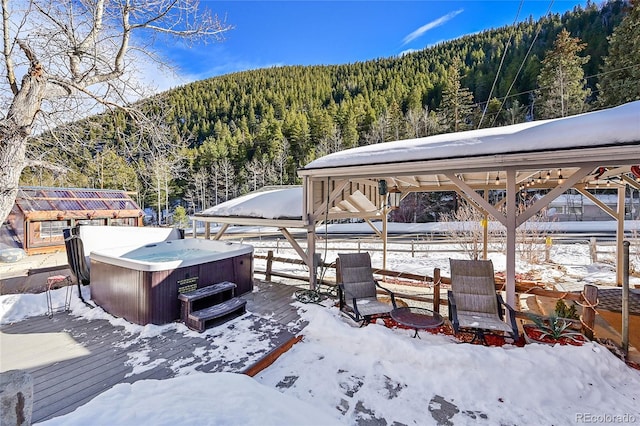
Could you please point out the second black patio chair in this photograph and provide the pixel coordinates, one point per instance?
(357, 288)
(77, 262)
(473, 302)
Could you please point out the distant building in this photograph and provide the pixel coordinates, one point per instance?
(577, 207)
(40, 214)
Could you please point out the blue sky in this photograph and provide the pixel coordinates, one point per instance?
(274, 33)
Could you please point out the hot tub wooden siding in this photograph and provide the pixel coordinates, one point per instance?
(152, 297)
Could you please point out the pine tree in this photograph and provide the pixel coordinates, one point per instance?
(561, 83)
(620, 80)
(457, 101)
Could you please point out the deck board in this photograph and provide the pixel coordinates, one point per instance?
(62, 386)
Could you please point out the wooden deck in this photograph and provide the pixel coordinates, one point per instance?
(108, 354)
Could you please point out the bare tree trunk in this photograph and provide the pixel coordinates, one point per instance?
(12, 154)
(166, 198)
(159, 203)
(14, 131)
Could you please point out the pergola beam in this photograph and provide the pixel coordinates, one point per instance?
(477, 198)
(303, 255)
(608, 210)
(553, 194)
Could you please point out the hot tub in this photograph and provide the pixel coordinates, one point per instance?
(142, 283)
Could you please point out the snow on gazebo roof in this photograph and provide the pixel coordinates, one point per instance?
(269, 203)
(614, 126)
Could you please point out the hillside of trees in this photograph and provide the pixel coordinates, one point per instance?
(215, 139)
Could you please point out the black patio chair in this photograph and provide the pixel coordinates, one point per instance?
(474, 303)
(357, 288)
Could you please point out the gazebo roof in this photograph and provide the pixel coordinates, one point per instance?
(606, 128)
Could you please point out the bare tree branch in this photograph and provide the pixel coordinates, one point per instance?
(7, 48)
(46, 165)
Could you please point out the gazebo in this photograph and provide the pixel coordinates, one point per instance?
(580, 152)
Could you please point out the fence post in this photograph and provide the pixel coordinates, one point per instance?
(548, 242)
(277, 245)
(358, 245)
(593, 250)
(590, 295)
(436, 290)
(413, 254)
(267, 274)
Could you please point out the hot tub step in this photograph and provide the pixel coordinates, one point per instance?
(204, 297)
(203, 292)
(197, 320)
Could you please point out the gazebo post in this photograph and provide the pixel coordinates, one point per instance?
(485, 229)
(311, 255)
(310, 223)
(512, 191)
(385, 214)
(620, 236)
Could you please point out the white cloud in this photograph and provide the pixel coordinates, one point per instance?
(431, 25)
(185, 64)
(159, 79)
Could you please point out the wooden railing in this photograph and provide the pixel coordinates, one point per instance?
(588, 298)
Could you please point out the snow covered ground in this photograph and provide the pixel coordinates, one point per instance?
(340, 374)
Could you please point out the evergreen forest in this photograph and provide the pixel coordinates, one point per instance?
(212, 140)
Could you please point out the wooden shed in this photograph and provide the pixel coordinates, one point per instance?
(40, 214)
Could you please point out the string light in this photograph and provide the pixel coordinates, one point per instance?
(539, 180)
(560, 178)
(498, 179)
(548, 175)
